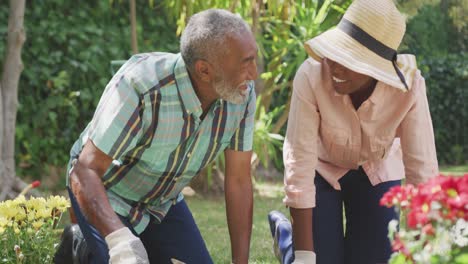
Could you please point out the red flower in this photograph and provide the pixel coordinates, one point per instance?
(35, 184)
(417, 218)
(398, 195)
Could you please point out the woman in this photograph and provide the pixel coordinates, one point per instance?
(359, 123)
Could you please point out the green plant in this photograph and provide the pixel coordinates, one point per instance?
(282, 47)
(266, 145)
(28, 228)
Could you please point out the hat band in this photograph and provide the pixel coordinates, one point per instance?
(372, 44)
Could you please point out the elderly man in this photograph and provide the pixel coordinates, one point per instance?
(161, 119)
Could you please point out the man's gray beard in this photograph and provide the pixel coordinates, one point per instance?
(229, 93)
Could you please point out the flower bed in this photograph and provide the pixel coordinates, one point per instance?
(435, 227)
(28, 231)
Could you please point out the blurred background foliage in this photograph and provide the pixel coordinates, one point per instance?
(70, 45)
(437, 32)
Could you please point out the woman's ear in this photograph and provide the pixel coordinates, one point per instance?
(204, 70)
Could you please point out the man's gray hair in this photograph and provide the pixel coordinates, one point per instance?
(206, 33)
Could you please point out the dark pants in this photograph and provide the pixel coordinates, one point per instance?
(364, 240)
(177, 236)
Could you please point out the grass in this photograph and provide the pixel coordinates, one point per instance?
(211, 219)
(454, 170)
(209, 213)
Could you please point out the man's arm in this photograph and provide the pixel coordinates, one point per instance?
(239, 202)
(86, 185)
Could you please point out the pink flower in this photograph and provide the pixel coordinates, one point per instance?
(428, 230)
(399, 245)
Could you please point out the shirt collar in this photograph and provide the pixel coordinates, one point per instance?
(184, 85)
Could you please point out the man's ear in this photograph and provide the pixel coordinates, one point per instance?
(204, 70)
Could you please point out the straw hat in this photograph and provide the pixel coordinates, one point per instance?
(366, 40)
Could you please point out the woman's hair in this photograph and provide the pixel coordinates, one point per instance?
(206, 33)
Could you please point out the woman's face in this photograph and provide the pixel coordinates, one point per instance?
(346, 81)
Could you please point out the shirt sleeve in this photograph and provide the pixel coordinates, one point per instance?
(117, 123)
(242, 140)
(300, 145)
(417, 137)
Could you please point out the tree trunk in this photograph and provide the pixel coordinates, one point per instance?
(12, 68)
(133, 26)
(209, 182)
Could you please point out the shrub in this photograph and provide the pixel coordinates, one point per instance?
(67, 56)
(446, 79)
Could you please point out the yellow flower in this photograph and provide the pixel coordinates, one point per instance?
(38, 224)
(36, 203)
(19, 200)
(58, 202)
(3, 222)
(43, 213)
(20, 216)
(2, 230)
(31, 216)
(9, 210)
(17, 230)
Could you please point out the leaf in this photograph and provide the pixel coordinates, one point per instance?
(323, 11)
(462, 259)
(397, 258)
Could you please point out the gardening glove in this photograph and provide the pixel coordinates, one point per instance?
(304, 257)
(125, 248)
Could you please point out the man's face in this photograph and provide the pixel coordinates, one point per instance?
(236, 69)
(228, 90)
(346, 81)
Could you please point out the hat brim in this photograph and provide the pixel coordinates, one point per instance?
(338, 46)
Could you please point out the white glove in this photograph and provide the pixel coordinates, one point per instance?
(304, 257)
(125, 248)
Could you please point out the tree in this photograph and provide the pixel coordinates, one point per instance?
(12, 68)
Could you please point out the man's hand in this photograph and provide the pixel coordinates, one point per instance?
(125, 248)
(304, 257)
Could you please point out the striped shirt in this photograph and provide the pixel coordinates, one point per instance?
(148, 121)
